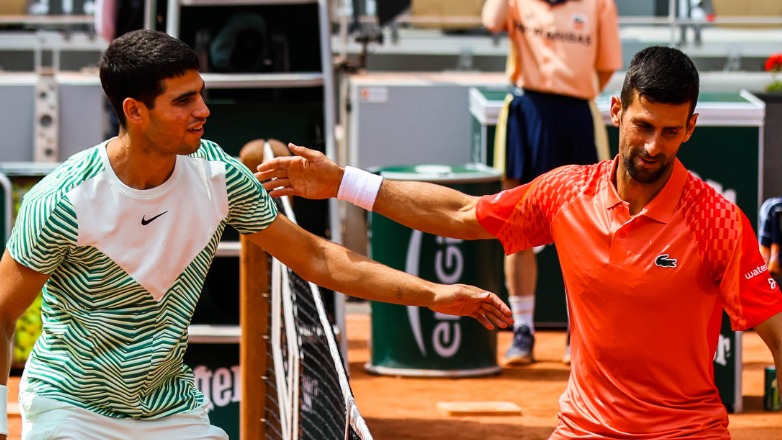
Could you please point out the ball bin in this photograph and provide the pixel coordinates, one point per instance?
(415, 341)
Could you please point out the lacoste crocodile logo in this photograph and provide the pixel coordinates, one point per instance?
(664, 261)
(145, 222)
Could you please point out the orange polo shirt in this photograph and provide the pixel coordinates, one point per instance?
(558, 49)
(645, 295)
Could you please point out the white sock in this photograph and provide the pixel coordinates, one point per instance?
(523, 308)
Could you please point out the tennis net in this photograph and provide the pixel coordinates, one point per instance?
(308, 392)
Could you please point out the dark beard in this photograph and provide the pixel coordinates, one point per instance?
(643, 176)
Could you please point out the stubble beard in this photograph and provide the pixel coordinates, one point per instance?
(641, 175)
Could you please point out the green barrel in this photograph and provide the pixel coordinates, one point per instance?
(415, 341)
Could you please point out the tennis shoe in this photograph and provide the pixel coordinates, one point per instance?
(520, 351)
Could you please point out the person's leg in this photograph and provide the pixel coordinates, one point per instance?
(602, 152)
(543, 132)
(584, 123)
(521, 274)
(521, 269)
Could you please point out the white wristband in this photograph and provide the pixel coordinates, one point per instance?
(359, 187)
(3, 410)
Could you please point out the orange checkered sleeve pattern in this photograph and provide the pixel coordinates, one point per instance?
(729, 249)
(521, 217)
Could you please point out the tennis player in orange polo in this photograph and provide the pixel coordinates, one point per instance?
(650, 254)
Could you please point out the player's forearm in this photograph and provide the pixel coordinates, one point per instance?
(342, 270)
(333, 266)
(430, 208)
(423, 206)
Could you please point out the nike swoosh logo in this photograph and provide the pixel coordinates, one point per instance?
(145, 222)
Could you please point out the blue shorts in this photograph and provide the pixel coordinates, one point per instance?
(546, 131)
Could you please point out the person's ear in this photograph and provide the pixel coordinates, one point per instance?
(616, 110)
(690, 127)
(133, 109)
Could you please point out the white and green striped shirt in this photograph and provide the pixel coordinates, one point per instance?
(126, 269)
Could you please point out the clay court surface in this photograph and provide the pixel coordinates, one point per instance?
(406, 408)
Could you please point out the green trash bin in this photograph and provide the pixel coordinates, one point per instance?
(415, 341)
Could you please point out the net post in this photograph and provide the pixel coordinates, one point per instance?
(253, 313)
(253, 320)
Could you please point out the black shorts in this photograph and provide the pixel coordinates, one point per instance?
(546, 131)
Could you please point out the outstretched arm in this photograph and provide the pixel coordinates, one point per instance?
(426, 207)
(335, 267)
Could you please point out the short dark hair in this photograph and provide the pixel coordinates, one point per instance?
(661, 74)
(136, 64)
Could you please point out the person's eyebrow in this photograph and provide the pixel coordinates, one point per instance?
(191, 93)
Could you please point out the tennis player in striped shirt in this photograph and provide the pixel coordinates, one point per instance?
(119, 239)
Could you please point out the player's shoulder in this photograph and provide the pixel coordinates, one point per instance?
(211, 151)
(715, 222)
(217, 161)
(74, 171)
(571, 181)
(701, 201)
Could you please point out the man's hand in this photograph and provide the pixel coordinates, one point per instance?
(463, 300)
(309, 174)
